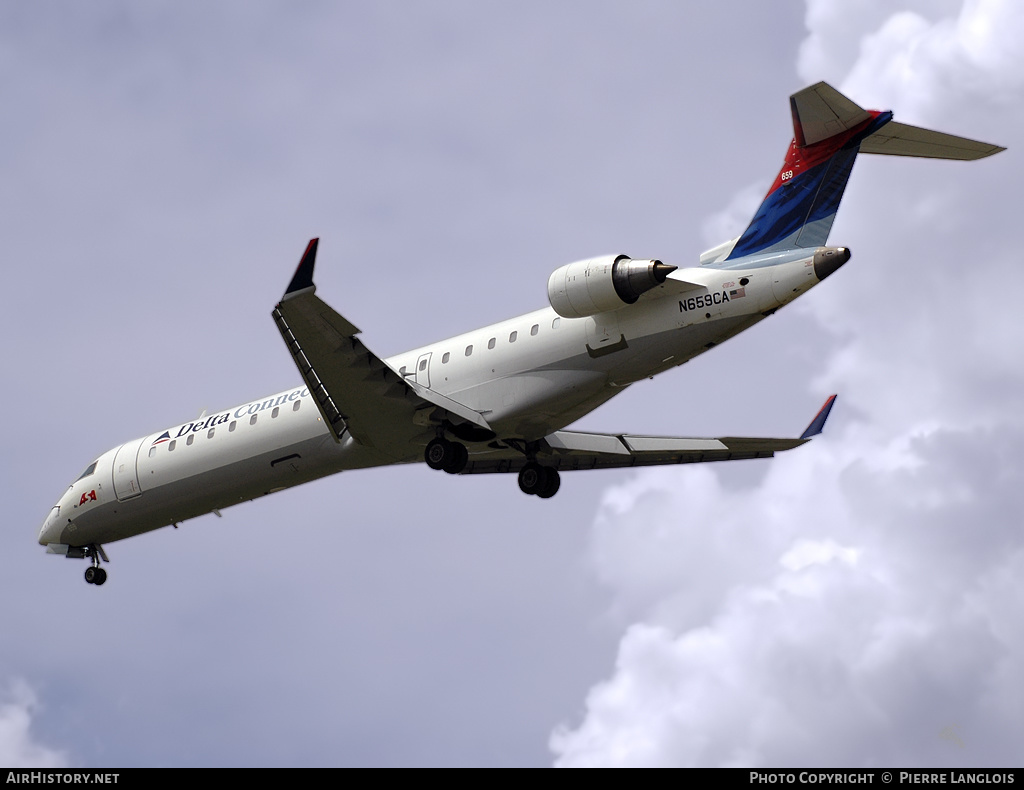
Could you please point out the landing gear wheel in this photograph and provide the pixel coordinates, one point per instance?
(552, 480)
(532, 478)
(443, 454)
(438, 453)
(459, 459)
(94, 574)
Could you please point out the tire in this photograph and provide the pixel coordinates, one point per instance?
(552, 481)
(101, 576)
(438, 453)
(532, 479)
(459, 459)
(90, 575)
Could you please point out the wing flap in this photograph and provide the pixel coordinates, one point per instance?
(593, 443)
(572, 450)
(667, 444)
(576, 450)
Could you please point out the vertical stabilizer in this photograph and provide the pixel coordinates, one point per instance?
(801, 205)
(829, 131)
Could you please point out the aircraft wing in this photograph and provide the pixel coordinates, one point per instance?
(576, 450)
(354, 389)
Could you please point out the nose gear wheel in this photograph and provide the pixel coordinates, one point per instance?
(94, 574)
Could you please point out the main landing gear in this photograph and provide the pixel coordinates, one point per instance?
(537, 480)
(452, 457)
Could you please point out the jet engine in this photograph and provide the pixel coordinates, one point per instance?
(600, 285)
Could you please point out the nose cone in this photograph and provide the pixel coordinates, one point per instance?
(828, 259)
(50, 531)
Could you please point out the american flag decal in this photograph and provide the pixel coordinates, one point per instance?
(737, 293)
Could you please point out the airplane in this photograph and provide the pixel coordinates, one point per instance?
(499, 399)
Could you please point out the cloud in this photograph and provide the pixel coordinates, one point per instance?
(731, 221)
(857, 605)
(18, 746)
(837, 31)
(920, 62)
(847, 611)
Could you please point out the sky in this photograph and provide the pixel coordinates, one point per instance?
(853, 603)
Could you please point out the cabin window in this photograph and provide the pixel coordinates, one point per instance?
(252, 420)
(534, 329)
(512, 337)
(172, 445)
(275, 412)
(209, 433)
(191, 438)
(152, 452)
(469, 350)
(423, 365)
(231, 427)
(445, 358)
(295, 406)
(555, 323)
(490, 343)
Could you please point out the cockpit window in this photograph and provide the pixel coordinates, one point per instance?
(88, 470)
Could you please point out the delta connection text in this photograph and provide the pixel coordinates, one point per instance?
(242, 411)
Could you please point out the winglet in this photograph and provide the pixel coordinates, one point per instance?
(819, 421)
(302, 282)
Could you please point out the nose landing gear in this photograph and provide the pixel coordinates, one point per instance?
(94, 574)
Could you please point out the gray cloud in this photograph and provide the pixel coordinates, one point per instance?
(19, 745)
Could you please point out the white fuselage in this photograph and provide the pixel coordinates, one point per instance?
(527, 376)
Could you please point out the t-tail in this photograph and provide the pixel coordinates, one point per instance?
(829, 131)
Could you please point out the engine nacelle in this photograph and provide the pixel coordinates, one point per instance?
(600, 285)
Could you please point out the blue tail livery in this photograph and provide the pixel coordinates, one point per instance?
(829, 130)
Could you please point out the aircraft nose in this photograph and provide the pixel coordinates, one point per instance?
(50, 531)
(828, 259)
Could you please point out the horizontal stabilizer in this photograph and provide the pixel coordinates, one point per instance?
(900, 139)
(821, 112)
